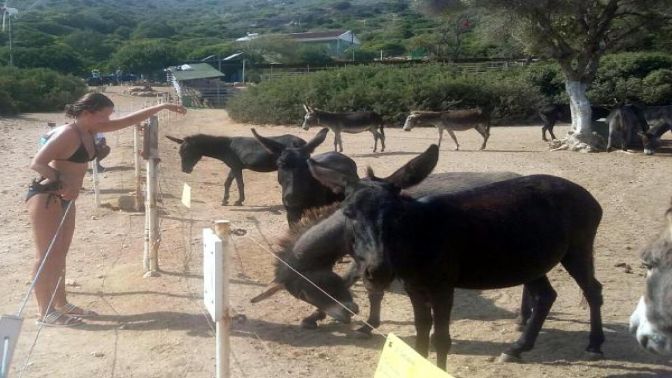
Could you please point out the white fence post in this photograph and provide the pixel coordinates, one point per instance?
(96, 181)
(151, 150)
(216, 275)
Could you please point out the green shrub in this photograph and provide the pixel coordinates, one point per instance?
(391, 91)
(641, 77)
(513, 95)
(36, 90)
(657, 87)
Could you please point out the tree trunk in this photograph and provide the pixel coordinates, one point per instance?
(579, 106)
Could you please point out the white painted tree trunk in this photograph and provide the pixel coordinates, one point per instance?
(579, 106)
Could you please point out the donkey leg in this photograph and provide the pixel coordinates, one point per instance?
(340, 142)
(375, 300)
(580, 267)
(525, 308)
(543, 296)
(550, 130)
(484, 130)
(452, 135)
(227, 186)
(375, 295)
(310, 322)
(422, 315)
(375, 139)
(241, 188)
(336, 133)
(381, 135)
(440, 136)
(442, 305)
(353, 274)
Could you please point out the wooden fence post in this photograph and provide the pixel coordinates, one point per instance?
(139, 195)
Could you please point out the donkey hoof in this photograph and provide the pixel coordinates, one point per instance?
(363, 332)
(238, 203)
(225, 203)
(593, 356)
(308, 324)
(509, 358)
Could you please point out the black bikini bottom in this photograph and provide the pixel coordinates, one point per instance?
(36, 188)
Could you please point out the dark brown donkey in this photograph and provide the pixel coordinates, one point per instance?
(452, 120)
(314, 245)
(350, 122)
(504, 234)
(651, 323)
(237, 153)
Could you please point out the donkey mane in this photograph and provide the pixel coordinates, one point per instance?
(310, 218)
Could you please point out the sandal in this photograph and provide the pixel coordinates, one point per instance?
(71, 309)
(59, 319)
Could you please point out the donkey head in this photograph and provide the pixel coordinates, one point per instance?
(411, 121)
(649, 141)
(293, 175)
(369, 207)
(328, 282)
(310, 119)
(651, 322)
(189, 153)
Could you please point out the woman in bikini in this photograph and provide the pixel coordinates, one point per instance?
(61, 163)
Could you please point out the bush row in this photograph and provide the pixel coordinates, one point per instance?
(513, 95)
(36, 90)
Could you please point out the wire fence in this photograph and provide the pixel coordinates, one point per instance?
(186, 254)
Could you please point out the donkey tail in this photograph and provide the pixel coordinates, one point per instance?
(381, 128)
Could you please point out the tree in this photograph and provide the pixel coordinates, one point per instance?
(145, 56)
(575, 33)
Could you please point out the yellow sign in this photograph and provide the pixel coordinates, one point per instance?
(401, 361)
(186, 195)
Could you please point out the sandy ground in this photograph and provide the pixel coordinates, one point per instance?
(157, 327)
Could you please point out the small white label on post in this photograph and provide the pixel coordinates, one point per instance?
(212, 273)
(186, 195)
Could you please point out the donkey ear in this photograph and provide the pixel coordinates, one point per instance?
(273, 147)
(316, 141)
(415, 170)
(306, 108)
(176, 140)
(336, 175)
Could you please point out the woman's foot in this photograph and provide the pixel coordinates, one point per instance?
(57, 318)
(71, 309)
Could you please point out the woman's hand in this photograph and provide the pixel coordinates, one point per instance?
(175, 108)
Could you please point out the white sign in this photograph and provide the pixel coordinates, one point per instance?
(213, 269)
(10, 327)
(186, 195)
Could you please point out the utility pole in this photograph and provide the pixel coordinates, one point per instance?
(11, 53)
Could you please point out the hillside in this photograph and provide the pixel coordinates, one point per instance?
(75, 36)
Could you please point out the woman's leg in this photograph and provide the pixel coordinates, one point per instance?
(61, 251)
(45, 215)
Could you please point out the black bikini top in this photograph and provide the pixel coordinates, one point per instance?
(79, 156)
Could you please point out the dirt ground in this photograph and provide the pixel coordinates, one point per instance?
(157, 327)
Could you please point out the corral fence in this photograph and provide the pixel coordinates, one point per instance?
(263, 72)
